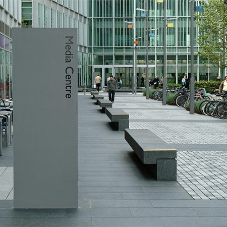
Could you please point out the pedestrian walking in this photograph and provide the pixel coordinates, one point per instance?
(98, 82)
(111, 86)
(119, 82)
(223, 87)
(183, 82)
(155, 82)
(142, 81)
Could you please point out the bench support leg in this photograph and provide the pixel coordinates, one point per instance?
(123, 124)
(104, 108)
(166, 169)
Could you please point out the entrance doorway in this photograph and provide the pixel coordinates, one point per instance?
(126, 75)
(125, 72)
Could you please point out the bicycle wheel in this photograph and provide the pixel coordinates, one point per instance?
(178, 100)
(186, 102)
(210, 108)
(160, 96)
(204, 109)
(175, 98)
(155, 95)
(222, 110)
(181, 100)
(202, 105)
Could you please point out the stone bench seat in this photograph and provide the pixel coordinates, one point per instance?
(119, 116)
(97, 97)
(104, 104)
(154, 152)
(94, 93)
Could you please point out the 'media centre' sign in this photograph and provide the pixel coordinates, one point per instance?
(45, 118)
(69, 69)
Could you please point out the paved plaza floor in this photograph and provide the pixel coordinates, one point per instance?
(116, 189)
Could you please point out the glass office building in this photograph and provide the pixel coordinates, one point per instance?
(105, 41)
(111, 41)
(61, 14)
(10, 16)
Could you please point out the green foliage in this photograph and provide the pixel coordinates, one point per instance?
(210, 86)
(187, 106)
(173, 85)
(197, 104)
(23, 24)
(170, 98)
(151, 93)
(170, 85)
(212, 22)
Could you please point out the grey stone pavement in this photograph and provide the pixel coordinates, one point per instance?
(115, 189)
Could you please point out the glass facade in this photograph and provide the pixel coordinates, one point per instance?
(111, 42)
(9, 17)
(62, 14)
(27, 13)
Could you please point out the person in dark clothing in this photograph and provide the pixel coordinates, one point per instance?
(119, 82)
(111, 86)
(142, 81)
(187, 82)
(155, 82)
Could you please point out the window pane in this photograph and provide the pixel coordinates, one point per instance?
(47, 17)
(27, 16)
(2, 41)
(53, 18)
(41, 16)
(7, 42)
(26, 10)
(26, 4)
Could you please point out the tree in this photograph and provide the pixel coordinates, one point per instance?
(212, 32)
(23, 24)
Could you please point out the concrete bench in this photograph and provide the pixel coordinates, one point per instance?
(104, 104)
(119, 116)
(155, 152)
(97, 97)
(93, 93)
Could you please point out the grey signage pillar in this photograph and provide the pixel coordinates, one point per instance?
(45, 85)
